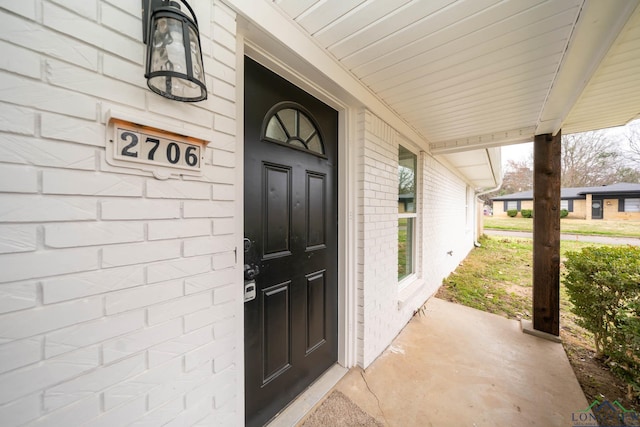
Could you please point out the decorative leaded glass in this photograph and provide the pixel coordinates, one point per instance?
(292, 126)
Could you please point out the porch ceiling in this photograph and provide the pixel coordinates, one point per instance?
(472, 74)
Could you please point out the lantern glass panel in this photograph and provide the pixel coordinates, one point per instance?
(196, 56)
(169, 55)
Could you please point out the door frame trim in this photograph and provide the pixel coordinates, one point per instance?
(264, 52)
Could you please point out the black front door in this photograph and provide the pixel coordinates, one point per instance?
(290, 226)
(596, 209)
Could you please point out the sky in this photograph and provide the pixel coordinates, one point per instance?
(519, 152)
(516, 152)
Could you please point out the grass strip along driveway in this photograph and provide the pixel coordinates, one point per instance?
(497, 277)
(569, 226)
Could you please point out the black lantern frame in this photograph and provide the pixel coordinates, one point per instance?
(173, 43)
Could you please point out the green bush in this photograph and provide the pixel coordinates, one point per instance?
(564, 213)
(604, 286)
(512, 213)
(627, 357)
(526, 213)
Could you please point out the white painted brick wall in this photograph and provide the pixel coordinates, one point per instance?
(64, 128)
(89, 333)
(16, 179)
(41, 152)
(17, 296)
(443, 225)
(140, 253)
(143, 383)
(140, 209)
(166, 391)
(16, 119)
(448, 221)
(118, 301)
(19, 353)
(17, 238)
(68, 287)
(68, 235)
(378, 288)
(90, 184)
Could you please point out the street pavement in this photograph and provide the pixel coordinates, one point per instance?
(634, 241)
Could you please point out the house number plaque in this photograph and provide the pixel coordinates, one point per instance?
(147, 148)
(160, 152)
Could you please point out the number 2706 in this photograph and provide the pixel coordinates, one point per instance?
(158, 150)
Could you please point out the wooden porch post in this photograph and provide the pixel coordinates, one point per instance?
(546, 233)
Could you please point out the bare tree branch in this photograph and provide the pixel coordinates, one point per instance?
(593, 159)
(632, 136)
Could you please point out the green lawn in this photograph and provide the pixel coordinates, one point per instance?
(570, 226)
(497, 277)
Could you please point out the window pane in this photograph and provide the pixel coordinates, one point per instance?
(305, 127)
(288, 117)
(564, 204)
(406, 180)
(275, 131)
(315, 144)
(405, 247)
(512, 205)
(632, 205)
(293, 127)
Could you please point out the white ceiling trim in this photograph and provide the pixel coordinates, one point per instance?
(612, 97)
(496, 139)
(596, 30)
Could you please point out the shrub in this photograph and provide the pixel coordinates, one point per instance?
(564, 213)
(604, 286)
(512, 213)
(627, 357)
(526, 213)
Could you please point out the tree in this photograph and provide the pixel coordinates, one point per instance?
(518, 176)
(594, 158)
(632, 136)
(406, 180)
(588, 159)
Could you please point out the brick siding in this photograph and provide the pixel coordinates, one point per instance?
(445, 224)
(115, 299)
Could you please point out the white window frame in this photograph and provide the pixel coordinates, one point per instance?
(410, 277)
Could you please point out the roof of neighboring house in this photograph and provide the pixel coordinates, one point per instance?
(579, 192)
(620, 188)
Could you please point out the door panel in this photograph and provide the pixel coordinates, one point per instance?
(291, 226)
(276, 194)
(277, 331)
(316, 220)
(315, 310)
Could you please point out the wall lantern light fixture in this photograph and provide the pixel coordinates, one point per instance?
(174, 56)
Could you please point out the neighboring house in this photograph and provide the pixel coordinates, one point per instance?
(614, 202)
(165, 262)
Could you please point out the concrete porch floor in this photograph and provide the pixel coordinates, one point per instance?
(458, 366)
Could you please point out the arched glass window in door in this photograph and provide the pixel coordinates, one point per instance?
(291, 125)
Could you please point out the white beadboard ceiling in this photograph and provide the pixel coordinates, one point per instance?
(471, 74)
